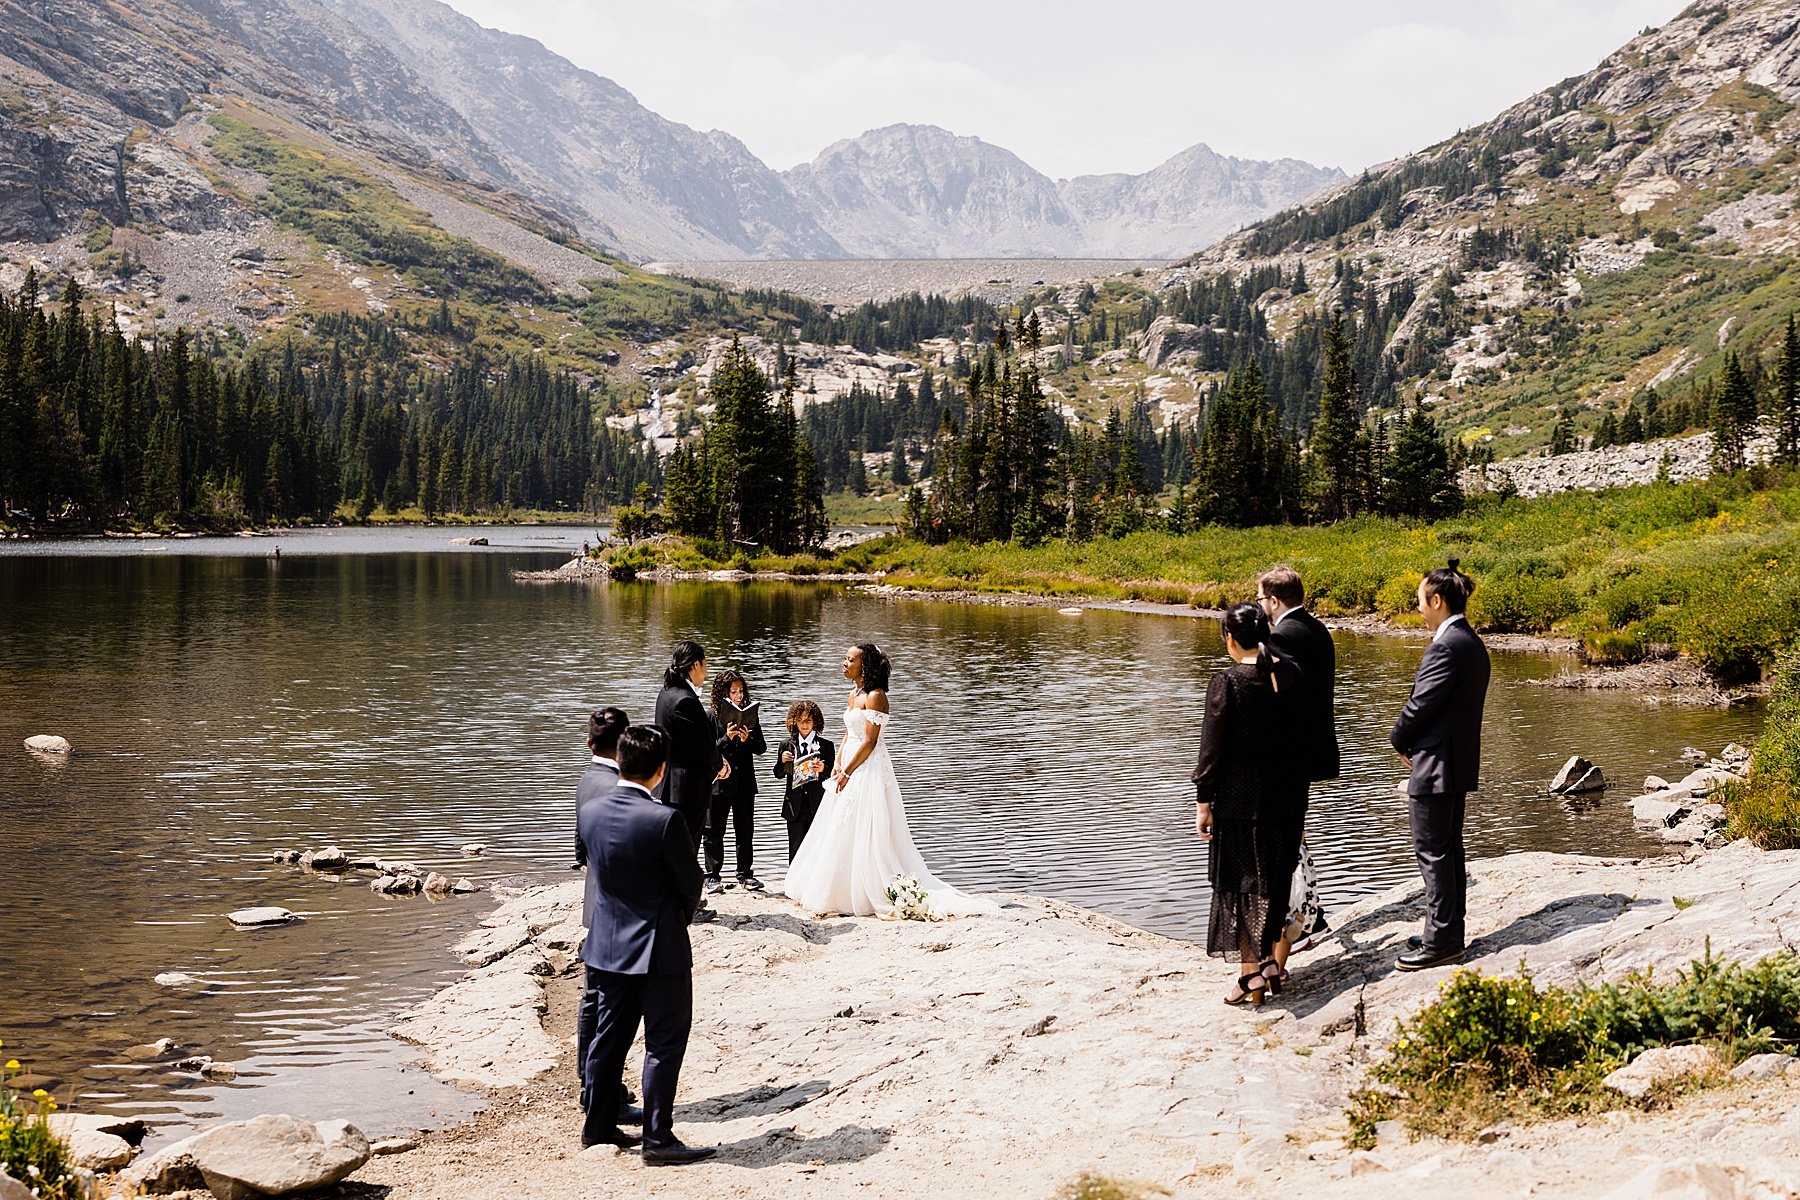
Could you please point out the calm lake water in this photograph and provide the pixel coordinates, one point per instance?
(395, 695)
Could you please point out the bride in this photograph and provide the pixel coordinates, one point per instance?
(859, 841)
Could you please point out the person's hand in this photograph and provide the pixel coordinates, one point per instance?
(787, 756)
(840, 777)
(724, 771)
(1406, 761)
(1203, 821)
(740, 732)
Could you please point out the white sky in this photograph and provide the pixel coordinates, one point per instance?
(1085, 87)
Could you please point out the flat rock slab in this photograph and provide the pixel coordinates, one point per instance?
(487, 1028)
(256, 918)
(48, 743)
(276, 1156)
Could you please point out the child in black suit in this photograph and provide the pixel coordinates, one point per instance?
(805, 760)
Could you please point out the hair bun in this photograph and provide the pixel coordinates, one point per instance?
(1455, 563)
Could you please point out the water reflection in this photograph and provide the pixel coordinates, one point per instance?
(408, 703)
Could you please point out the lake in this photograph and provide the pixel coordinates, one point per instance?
(386, 692)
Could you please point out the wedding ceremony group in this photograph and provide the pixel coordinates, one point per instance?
(653, 804)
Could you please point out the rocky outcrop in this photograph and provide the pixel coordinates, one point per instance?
(1676, 459)
(276, 1156)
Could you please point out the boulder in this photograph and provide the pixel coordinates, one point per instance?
(330, 858)
(436, 884)
(48, 743)
(1766, 1066)
(96, 1151)
(265, 915)
(1663, 1064)
(1692, 754)
(171, 1169)
(276, 1156)
(1655, 810)
(131, 1130)
(1678, 1181)
(396, 866)
(395, 885)
(12, 1189)
(1655, 783)
(464, 887)
(1577, 775)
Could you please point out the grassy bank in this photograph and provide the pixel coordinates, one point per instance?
(1711, 569)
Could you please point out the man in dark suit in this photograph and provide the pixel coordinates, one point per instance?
(1297, 635)
(694, 758)
(1438, 737)
(598, 780)
(639, 962)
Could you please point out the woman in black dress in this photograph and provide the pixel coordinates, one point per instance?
(1250, 806)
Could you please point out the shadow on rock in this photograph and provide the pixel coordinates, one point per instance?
(819, 933)
(845, 1144)
(351, 1189)
(1553, 920)
(754, 1102)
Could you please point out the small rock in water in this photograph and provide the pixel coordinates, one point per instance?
(285, 856)
(160, 1048)
(1577, 775)
(48, 743)
(328, 859)
(474, 849)
(436, 884)
(464, 887)
(396, 866)
(1070, 612)
(1693, 754)
(395, 885)
(175, 979)
(252, 918)
(1655, 783)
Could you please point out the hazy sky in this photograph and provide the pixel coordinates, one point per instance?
(1085, 87)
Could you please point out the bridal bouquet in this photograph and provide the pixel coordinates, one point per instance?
(907, 895)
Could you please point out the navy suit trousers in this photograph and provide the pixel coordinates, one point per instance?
(664, 1006)
(1437, 833)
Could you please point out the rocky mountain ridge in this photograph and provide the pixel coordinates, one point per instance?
(1623, 229)
(92, 90)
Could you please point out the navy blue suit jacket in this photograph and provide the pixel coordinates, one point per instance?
(646, 885)
(1440, 727)
(597, 781)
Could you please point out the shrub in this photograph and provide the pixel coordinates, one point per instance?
(1613, 647)
(1399, 596)
(1766, 810)
(626, 565)
(29, 1152)
(1521, 603)
(632, 522)
(1489, 1048)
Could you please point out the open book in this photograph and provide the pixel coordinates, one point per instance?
(747, 715)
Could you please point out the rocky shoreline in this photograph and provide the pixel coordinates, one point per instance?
(1008, 1055)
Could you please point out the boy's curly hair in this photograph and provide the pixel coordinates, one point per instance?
(804, 708)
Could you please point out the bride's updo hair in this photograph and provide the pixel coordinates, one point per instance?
(876, 667)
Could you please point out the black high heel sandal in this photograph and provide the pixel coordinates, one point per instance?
(1250, 989)
(1273, 976)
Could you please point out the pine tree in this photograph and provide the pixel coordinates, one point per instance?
(1733, 417)
(1787, 400)
(1420, 480)
(1331, 447)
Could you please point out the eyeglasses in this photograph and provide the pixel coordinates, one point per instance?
(1264, 599)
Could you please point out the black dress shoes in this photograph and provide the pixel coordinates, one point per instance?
(676, 1153)
(1423, 959)
(1414, 942)
(631, 1114)
(610, 1137)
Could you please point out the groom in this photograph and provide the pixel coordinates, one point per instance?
(1438, 737)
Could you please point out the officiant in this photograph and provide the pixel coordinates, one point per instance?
(737, 728)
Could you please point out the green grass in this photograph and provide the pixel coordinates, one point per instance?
(1766, 810)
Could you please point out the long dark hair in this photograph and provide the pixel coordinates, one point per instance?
(681, 661)
(1247, 624)
(876, 667)
(721, 690)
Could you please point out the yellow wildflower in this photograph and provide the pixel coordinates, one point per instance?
(12, 1064)
(39, 1093)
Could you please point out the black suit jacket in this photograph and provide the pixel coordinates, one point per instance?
(693, 751)
(1302, 638)
(646, 885)
(811, 793)
(742, 757)
(598, 780)
(1440, 727)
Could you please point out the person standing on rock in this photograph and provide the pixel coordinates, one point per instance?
(640, 964)
(1302, 639)
(597, 781)
(1438, 737)
(694, 757)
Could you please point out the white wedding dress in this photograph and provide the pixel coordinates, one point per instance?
(859, 841)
